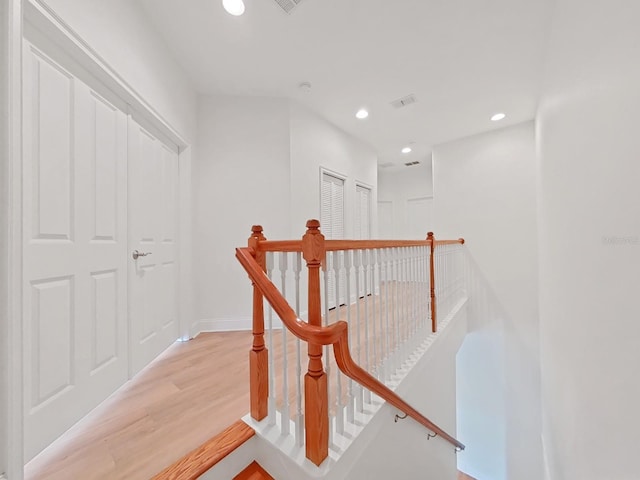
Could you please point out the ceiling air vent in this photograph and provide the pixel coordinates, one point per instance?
(411, 164)
(404, 101)
(288, 5)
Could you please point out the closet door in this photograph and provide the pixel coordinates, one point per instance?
(332, 226)
(75, 249)
(153, 225)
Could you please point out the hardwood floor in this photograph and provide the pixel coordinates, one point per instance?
(190, 393)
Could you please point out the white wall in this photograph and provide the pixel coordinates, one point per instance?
(259, 162)
(317, 143)
(241, 178)
(589, 151)
(400, 186)
(118, 26)
(485, 191)
(4, 231)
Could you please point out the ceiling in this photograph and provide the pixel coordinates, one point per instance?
(464, 60)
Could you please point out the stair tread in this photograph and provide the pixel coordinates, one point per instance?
(198, 461)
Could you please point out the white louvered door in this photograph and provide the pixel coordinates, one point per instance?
(75, 249)
(332, 226)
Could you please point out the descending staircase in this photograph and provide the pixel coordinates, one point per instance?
(461, 476)
(197, 462)
(253, 472)
(404, 326)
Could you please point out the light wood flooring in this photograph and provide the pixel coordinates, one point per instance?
(190, 393)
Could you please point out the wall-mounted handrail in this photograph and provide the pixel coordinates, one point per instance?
(336, 334)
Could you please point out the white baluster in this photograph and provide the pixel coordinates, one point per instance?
(349, 269)
(373, 319)
(299, 419)
(325, 321)
(384, 317)
(271, 404)
(366, 260)
(357, 262)
(284, 414)
(396, 307)
(337, 257)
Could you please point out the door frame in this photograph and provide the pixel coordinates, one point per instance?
(37, 13)
(11, 209)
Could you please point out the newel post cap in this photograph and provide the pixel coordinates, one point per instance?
(313, 249)
(313, 224)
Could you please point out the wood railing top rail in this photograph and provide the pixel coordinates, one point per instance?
(335, 245)
(335, 334)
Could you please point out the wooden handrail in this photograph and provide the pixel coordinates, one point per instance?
(336, 334)
(335, 245)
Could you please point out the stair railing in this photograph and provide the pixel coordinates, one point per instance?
(371, 280)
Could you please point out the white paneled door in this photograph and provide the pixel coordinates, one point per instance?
(96, 187)
(75, 249)
(153, 179)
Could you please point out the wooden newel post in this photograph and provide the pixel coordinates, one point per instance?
(432, 281)
(259, 355)
(316, 416)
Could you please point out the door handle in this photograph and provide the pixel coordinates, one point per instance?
(137, 254)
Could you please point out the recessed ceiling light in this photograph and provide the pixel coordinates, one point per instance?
(406, 150)
(362, 114)
(497, 117)
(234, 7)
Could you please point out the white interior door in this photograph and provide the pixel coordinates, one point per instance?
(332, 226)
(153, 222)
(75, 249)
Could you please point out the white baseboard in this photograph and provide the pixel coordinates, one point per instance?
(221, 325)
(231, 324)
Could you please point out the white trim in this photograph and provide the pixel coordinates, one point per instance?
(230, 324)
(221, 325)
(424, 197)
(364, 185)
(185, 277)
(14, 418)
